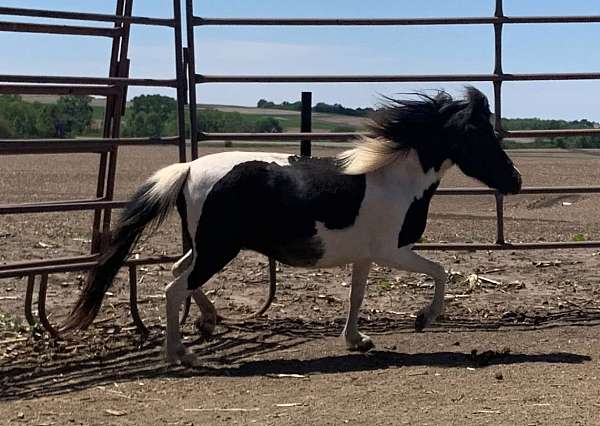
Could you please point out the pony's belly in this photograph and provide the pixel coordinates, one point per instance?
(342, 246)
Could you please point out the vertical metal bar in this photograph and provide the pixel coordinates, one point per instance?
(122, 71)
(498, 112)
(191, 67)
(306, 123)
(180, 72)
(185, 60)
(108, 120)
(499, 218)
(133, 302)
(29, 300)
(498, 68)
(42, 307)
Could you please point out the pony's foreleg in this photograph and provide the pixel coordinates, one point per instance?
(410, 261)
(355, 340)
(176, 293)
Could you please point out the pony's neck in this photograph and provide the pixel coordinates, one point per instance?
(407, 171)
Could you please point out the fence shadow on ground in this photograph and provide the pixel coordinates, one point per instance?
(235, 349)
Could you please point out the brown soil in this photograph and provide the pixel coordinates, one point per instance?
(516, 347)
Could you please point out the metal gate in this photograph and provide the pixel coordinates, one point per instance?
(114, 87)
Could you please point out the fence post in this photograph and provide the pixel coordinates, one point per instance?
(306, 123)
(499, 218)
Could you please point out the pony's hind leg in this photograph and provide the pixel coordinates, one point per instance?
(408, 260)
(182, 264)
(355, 340)
(176, 293)
(208, 320)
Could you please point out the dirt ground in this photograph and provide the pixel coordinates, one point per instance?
(518, 343)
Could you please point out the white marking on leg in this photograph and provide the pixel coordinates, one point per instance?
(182, 264)
(407, 260)
(355, 340)
(176, 293)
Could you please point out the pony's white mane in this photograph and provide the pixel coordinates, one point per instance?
(369, 154)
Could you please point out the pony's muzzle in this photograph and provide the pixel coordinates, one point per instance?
(517, 181)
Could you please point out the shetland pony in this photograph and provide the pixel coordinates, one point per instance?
(368, 205)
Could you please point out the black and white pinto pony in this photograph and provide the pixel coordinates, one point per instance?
(368, 205)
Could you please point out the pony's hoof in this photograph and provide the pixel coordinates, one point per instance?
(205, 325)
(420, 322)
(365, 344)
(426, 317)
(181, 356)
(189, 359)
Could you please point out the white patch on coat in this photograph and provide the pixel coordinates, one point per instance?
(381, 214)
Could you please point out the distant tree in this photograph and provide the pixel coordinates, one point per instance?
(5, 130)
(150, 116)
(263, 103)
(71, 115)
(293, 106)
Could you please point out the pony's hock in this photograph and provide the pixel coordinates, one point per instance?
(114, 88)
(368, 205)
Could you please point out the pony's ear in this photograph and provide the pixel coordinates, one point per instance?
(478, 103)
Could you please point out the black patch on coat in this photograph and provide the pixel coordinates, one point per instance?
(273, 209)
(182, 210)
(416, 218)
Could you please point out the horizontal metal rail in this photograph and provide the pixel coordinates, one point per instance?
(413, 78)
(23, 89)
(82, 16)
(279, 136)
(345, 136)
(508, 246)
(203, 21)
(60, 206)
(95, 204)
(45, 79)
(22, 27)
(516, 134)
(531, 190)
(68, 146)
(80, 263)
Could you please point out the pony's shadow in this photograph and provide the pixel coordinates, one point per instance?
(233, 353)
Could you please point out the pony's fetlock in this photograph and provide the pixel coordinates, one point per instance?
(359, 342)
(205, 324)
(427, 316)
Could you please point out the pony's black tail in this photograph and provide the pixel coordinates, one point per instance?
(150, 205)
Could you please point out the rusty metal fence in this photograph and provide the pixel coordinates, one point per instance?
(114, 88)
(497, 77)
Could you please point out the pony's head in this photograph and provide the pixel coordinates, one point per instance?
(438, 129)
(475, 147)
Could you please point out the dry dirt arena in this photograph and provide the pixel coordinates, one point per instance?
(518, 344)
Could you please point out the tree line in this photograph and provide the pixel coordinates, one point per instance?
(156, 115)
(319, 107)
(69, 116)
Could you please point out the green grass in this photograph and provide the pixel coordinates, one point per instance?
(578, 237)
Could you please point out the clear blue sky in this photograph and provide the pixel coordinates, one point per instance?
(338, 50)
